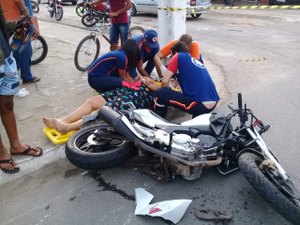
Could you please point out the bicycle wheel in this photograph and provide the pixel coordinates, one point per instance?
(87, 52)
(134, 31)
(39, 50)
(35, 7)
(80, 9)
(88, 20)
(59, 13)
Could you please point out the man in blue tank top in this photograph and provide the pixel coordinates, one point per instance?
(199, 94)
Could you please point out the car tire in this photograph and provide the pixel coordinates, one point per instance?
(74, 2)
(133, 11)
(195, 16)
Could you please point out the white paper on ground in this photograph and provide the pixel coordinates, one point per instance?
(172, 210)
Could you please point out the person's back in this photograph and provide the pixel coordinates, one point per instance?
(108, 64)
(194, 79)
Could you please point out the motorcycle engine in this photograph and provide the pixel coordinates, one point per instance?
(183, 146)
(188, 148)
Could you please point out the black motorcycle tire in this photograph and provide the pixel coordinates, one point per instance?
(38, 43)
(97, 160)
(249, 165)
(88, 40)
(88, 20)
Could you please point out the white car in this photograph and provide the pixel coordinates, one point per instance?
(150, 6)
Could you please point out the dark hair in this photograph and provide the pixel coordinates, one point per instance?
(179, 46)
(187, 39)
(132, 50)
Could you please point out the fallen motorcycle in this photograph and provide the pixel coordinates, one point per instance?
(228, 142)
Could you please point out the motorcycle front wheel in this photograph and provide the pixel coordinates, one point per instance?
(268, 186)
(98, 147)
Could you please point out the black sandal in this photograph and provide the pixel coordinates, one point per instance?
(14, 170)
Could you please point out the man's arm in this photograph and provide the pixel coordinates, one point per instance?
(141, 69)
(158, 64)
(127, 6)
(166, 78)
(125, 76)
(97, 2)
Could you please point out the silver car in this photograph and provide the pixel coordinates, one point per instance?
(194, 7)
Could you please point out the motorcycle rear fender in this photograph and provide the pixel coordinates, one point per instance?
(119, 122)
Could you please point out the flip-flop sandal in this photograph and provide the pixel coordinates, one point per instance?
(27, 151)
(14, 170)
(209, 214)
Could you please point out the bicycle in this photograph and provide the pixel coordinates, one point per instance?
(55, 7)
(39, 49)
(94, 15)
(88, 48)
(35, 6)
(24, 33)
(81, 8)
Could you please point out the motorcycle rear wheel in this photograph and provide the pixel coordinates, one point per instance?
(88, 151)
(249, 165)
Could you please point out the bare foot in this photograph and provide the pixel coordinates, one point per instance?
(49, 122)
(61, 127)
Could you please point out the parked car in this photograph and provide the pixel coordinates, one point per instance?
(284, 2)
(74, 2)
(150, 6)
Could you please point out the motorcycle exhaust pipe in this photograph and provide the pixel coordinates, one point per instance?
(115, 119)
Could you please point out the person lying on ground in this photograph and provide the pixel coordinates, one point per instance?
(115, 69)
(143, 97)
(192, 46)
(148, 44)
(199, 94)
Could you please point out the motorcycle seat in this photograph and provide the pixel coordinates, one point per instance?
(149, 118)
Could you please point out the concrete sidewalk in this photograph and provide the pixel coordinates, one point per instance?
(62, 88)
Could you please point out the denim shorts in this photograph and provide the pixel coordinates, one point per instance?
(118, 29)
(9, 77)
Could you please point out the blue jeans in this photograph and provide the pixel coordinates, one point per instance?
(116, 30)
(23, 60)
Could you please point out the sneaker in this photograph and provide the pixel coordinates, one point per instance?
(34, 80)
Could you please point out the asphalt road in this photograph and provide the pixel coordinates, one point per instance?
(258, 54)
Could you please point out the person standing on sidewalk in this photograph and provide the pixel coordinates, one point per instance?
(119, 19)
(13, 10)
(9, 85)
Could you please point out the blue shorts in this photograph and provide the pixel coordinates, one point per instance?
(9, 77)
(118, 30)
